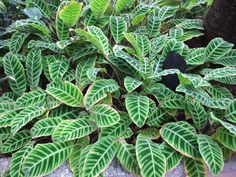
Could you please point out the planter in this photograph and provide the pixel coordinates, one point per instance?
(114, 170)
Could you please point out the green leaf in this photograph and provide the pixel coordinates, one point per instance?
(231, 112)
(55, 153)
(211, 153)
(198, 114)
(217, 48)
(99, 90)
(66, 92)
(166, 12)
(18, 159)
(99, 7)
(99, 157)
(15, 142)
(5, 132)
(57, 70)
(173, 101)
(104, 115)
(220, 73)
(31, 98)
(151, 160)
(173, 157)
(83, 66)
(62, 29)
(131, 83)
(139, 13)
(16, 41)
(15, 70)
(72, 129)
(45, 127)
(138, 108)
(7, 118)
(194, 167)
(118, 27)
(182, 137)
(33, 68)
(70, 13)
(121, 5)
(154, 24)
(196, 57)
(157, 45)
(227, 60)
(226, 138)
(127, 157)
(219, 92)
(189, 24)
(173, 45)
(41, 5)
(157, 117)
(97, 37)
(118, 129)
(25, 116)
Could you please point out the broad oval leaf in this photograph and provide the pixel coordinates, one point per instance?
(57, 70)
(131, 83)
(231, 111)
(55, 153)
(72, 129)
(104, 115)
(151, 160)
(211, 153)
(194, 167)
(98, 90)
(99, 7)
(66, 92)
(138, 108)
(182, 137)
(16, 41)
(118, 27)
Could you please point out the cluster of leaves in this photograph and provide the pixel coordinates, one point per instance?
(84, 85)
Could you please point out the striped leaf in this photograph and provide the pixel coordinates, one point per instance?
(127, 157)
(17, 161)
(173, 157)
(118, 27)
(173, 101)
(16, 41)
(131, 83)
(220, 73)
(5, 132)
(196, 57)
(139, 13)
(65, 112)
(98, 91)
(217, 48)
(219, 92)
(66, 92)
(45, 127)
(231, 111)
(72, 129)
(138, 108)
(15, 71)
(15, 142)
(99, 157)
(104, 115)
(7, 118)
(33, 68)
(157, 117)
(70, 13)
(227, 60)
(211, 153)
(57, 70)
(52, 155)
(83, 66)
(62, 29)
(25, 116)
(166, 12)
(99, 7)
(121, 5)
(154, 23)
(198, 114)
(31, 98)
(46, 61)
(194, 167)
(41, 5)
(182, 137)
(118, 129)
(151, 160)
(44, 46)
(173, 45)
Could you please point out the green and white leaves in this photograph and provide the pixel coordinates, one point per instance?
(182, 137)
(57, 70)
(150, 158)
(70, 13)
(98, 90)
(104, 115)
(194, 167)
(66, 92)
(99, 157)
(16, 41)
(72, 129)
(217, 48)
(118, 27)
(131, 83)
(231, 111)
(211, 153)
(15, 71)
(99, 7)
(138, 108)
(55, 153)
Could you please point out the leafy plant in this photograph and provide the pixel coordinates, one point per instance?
(82, 82)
